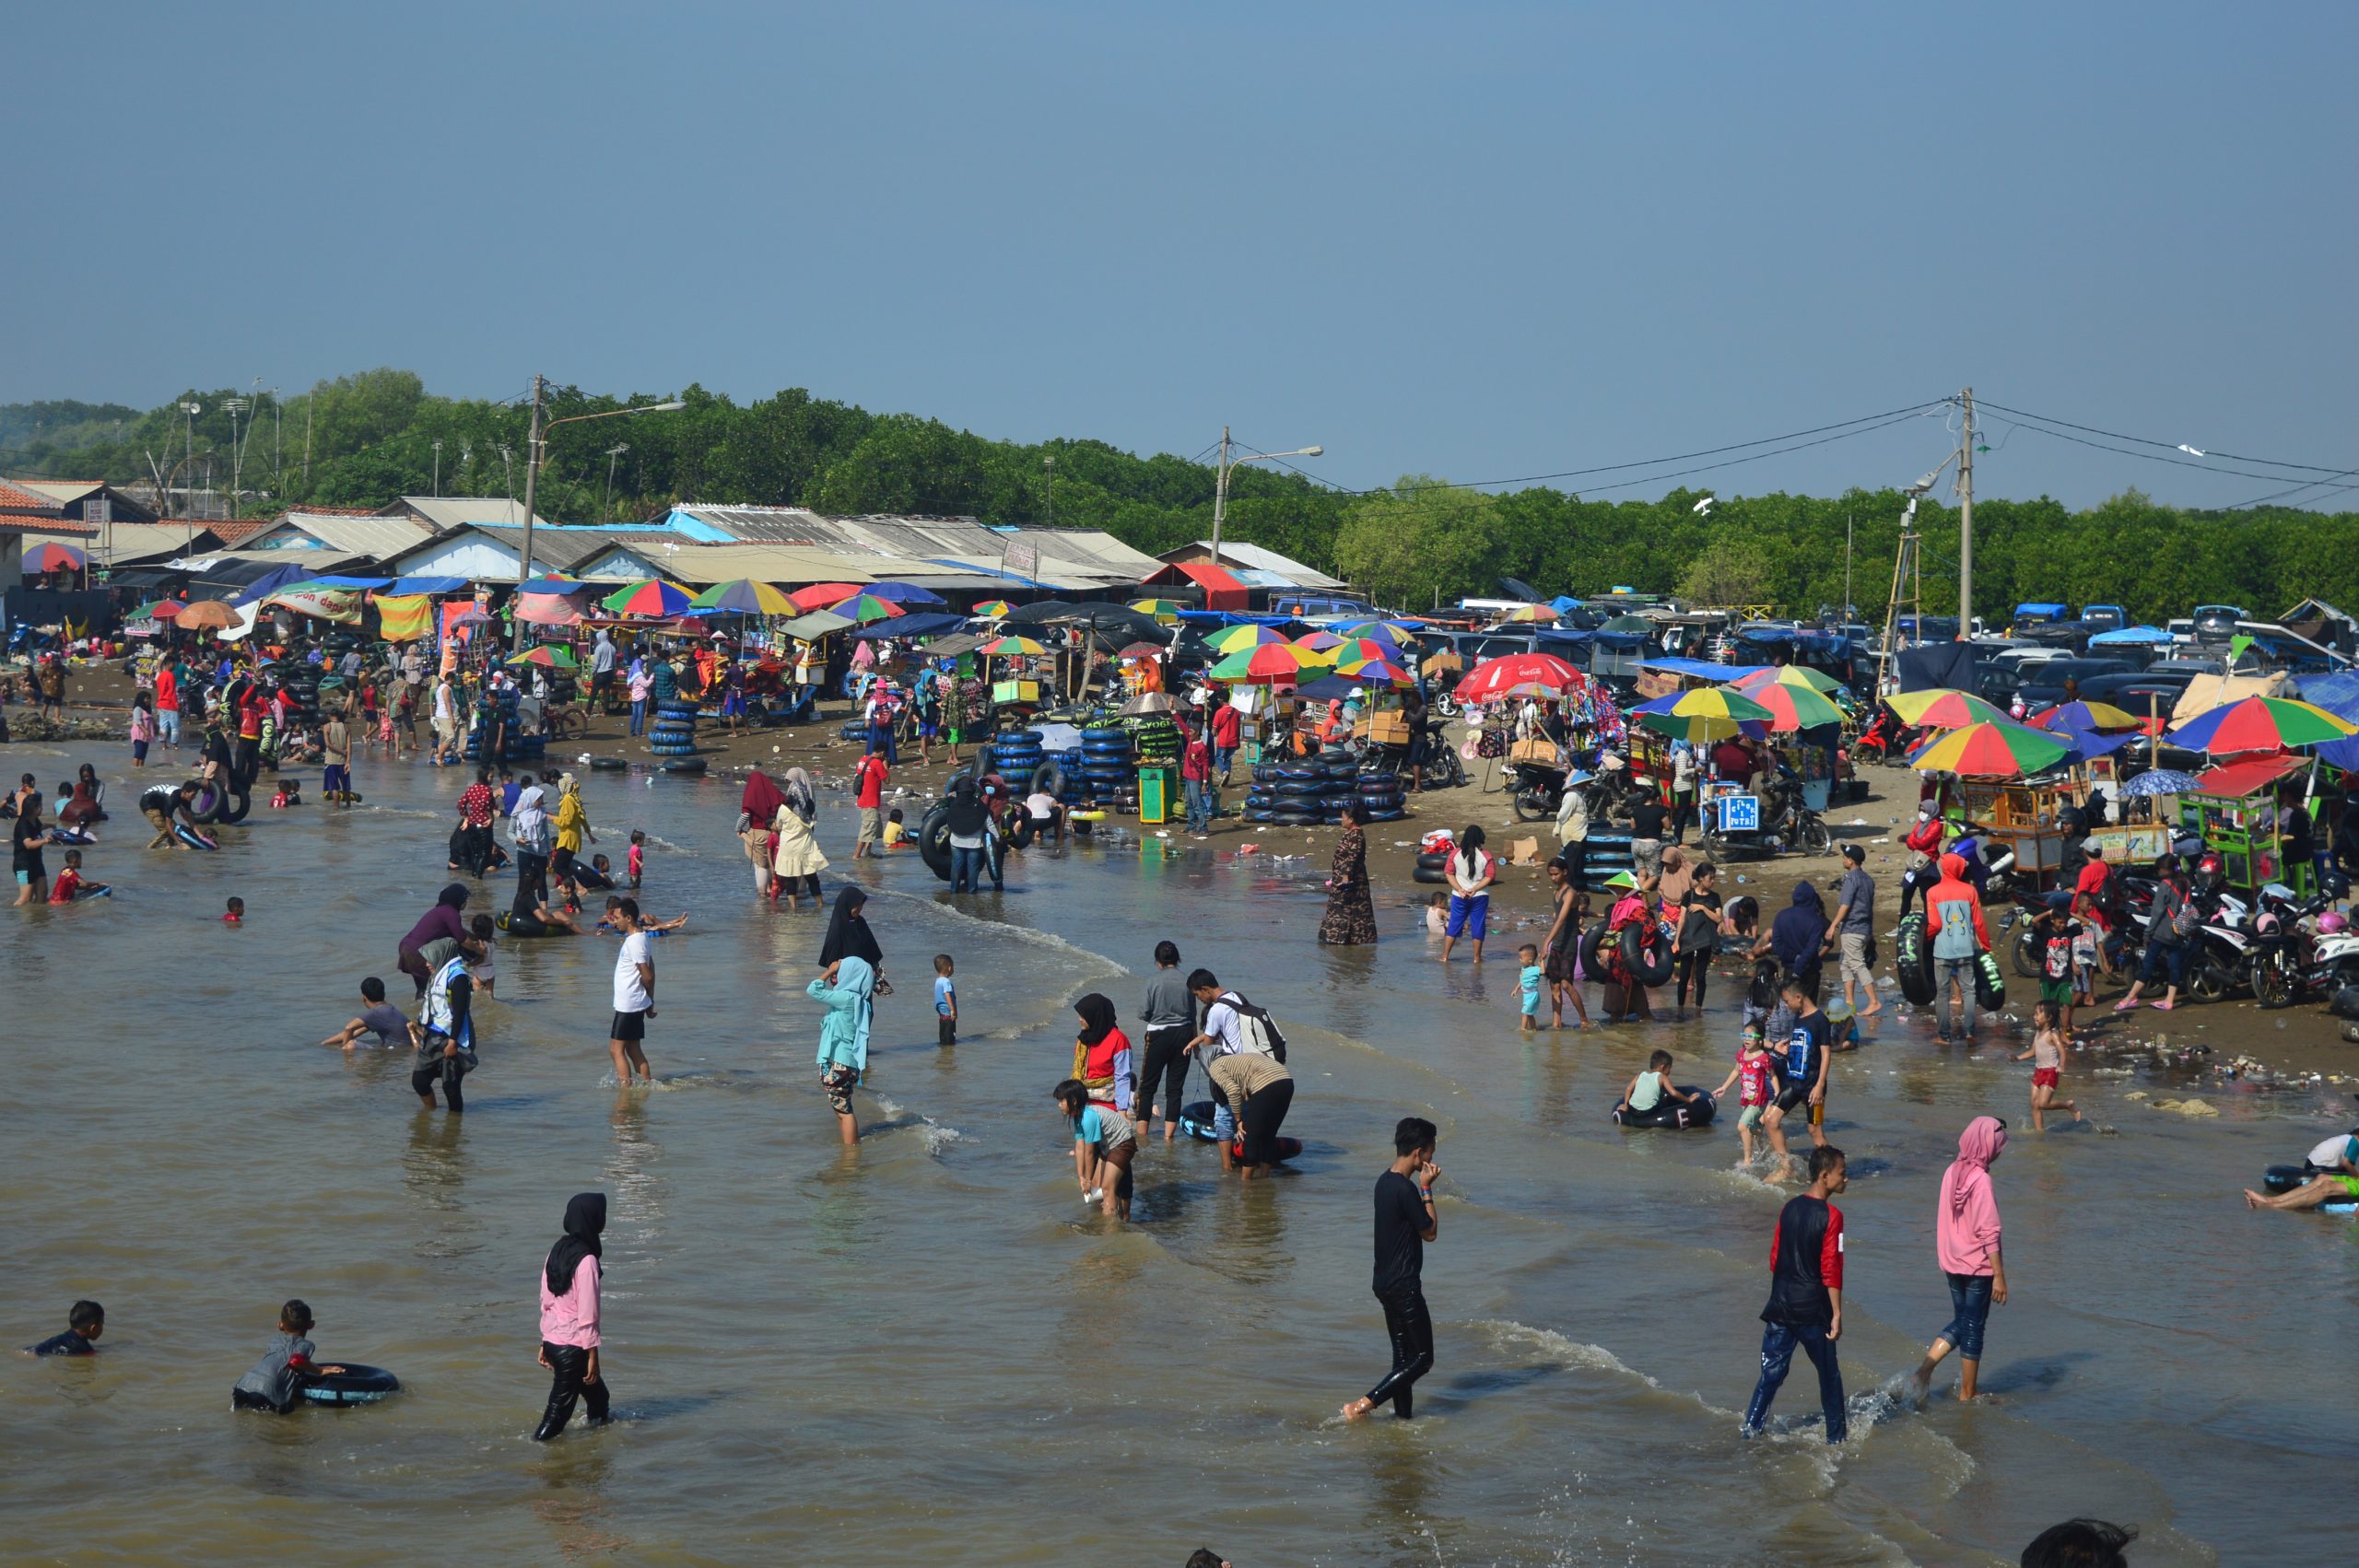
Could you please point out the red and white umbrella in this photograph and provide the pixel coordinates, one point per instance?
(1518, 675)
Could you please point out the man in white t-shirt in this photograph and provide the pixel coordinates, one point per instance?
(2336, 1161)
(634, 996)
(1048, 812)
(1224, 1029)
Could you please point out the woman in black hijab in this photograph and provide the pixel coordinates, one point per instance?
(569, 1317)
(1101, 1053)
(849, 936)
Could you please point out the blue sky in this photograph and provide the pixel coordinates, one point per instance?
(1477, 240)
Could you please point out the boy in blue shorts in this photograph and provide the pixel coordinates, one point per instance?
(1533, 982)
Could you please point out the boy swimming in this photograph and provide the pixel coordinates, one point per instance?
(378, 1017)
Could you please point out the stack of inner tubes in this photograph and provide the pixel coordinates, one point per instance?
(1015, 756)
(1381, 798)
(1157, 739)
(1608, 853)
(1294, 794)
(1070, 788)
(672, 731)
(1107, 772)
(301, 684)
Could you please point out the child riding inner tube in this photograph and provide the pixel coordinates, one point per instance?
(1670, 1113)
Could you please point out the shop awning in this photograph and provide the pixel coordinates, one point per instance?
(1222, 590)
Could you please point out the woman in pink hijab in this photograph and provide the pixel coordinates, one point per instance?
(1966, 1238)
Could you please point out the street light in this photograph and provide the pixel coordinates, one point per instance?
(1220, 483)
(537, 447)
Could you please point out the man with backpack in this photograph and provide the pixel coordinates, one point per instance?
(2169, 935)
(1231, 1023)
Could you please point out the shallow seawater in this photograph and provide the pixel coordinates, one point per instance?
(924, 1350)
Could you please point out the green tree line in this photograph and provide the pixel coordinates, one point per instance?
(365, 438)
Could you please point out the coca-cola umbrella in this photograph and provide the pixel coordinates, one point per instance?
(1518, 676)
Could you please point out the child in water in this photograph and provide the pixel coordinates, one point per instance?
(1103, 1145)
(71, 885)
(85, 1321)
(1648, 1089)
(945, 999)
(1531, 982)
(1749, 1076)
(236, 914)
(637, 854)
(2048, 1048)
(276, 1380)
(290, 793)
(142, 728)
(378, 1017)
(897, 835)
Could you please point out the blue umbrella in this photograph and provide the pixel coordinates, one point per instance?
(2159, 781)
(2089, 743)
(903, 593)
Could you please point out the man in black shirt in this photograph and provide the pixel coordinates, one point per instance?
(1805, 1305)
(85, 1323)
(1404, 1222)
(1646, 818)
(161, 805)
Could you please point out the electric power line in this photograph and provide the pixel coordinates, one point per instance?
(2169, 446)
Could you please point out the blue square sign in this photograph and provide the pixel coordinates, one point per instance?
(1740, 814)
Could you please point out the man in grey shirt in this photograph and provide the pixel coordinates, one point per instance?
(1854, 927)
(1170, 1013)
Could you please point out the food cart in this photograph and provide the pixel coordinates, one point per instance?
(2236, 809)
(2021, 813)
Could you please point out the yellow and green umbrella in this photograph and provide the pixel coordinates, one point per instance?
(548, 656)
(1707, 713)
(1996, 748)
(992, 609)
(1230, 639)
(2259, 724)
(1818, 681)
(1164, 610)
(866, 607)
(1271, 663)
(744, 596)
(1378, 672)
(1944, 709)
(1009, 647)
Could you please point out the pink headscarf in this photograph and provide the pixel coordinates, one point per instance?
(1967, 1224)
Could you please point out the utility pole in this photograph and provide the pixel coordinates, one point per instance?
(1846, 566)
(1220, 492)
(606, 512)
(1050, 462)
(309, 398)
(437, 466)
(531, 473)
(1966, 521)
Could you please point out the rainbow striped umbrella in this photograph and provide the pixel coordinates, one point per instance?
(1795, 707)
(992, 609)
(1791, 675)
(1382, 631)
(1363, 649)
(1375, 671)
(1997, 748)
(1009, 647)
(1707, 713)
(653, 597)
(746, 596)
(1944, 709)
(1234, 638)
(866, 607)
(1269, 663)
(1319, 642)
(2260, 724)
(2084, 716)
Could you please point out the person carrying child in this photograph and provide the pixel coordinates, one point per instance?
(277, 1381)
(2054, 933)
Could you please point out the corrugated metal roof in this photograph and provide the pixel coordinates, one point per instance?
(1291, 573)
(447, 512)
(379, 538)
(1069, 557)
(792, 565)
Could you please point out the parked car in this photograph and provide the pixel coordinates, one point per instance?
(2217, 622)
(2105, 617)
(1314, 606)
(2041, 682)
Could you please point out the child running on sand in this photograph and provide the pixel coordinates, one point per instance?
(1749, 1077)
(2050, 1046)
(378, 1017)
(1531, 982)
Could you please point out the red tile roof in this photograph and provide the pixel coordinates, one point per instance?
(230, 533)
(18, 522)
(14, 501)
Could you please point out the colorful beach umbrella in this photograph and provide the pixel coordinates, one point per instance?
(547, 656)
(1009, 647)
(1526, 614)
(1272, 663)
(1361, 648)
(650, 597)
(1707, 713)
(1228, 639)
(1943, 708)
(1818, 681)
(1319, 642)
(865, 608)
(1795, 707)
(904, 593)
(1375, 673)
(54, 557)
(1518, 675)
(1997, 748)
(2084, 716)
(161, 610)
(1142, 651)
(992, 609)
(747, 597)
(1382, 631)
(2258, 724)
(823, 595)
(1164, 610)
